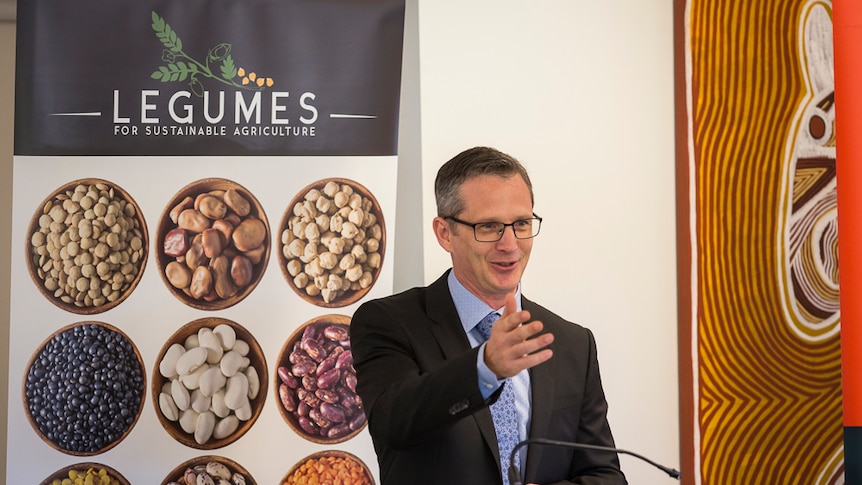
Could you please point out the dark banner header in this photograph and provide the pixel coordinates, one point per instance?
(208, 77)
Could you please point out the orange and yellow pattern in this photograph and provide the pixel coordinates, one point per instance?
(765, 362)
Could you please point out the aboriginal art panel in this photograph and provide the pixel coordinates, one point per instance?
(760, 360)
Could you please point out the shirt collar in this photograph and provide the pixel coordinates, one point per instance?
(470, 308)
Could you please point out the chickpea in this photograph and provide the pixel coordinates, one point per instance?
(294, 268)
(328, 260)
(336, 245)
(330, 189)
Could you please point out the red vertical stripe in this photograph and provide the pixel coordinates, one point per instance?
(847, 24)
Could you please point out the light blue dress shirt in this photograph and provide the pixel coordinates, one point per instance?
(472, 310)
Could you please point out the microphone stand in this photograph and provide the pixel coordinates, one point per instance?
(515, 475)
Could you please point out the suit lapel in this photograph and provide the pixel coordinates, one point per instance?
(446, 325)
(447, 329)
(541, 390)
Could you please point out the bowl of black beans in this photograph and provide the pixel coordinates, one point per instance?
(84, 388)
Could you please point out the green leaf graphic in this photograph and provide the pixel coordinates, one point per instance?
(228, 69)
(181, 67)
(164, 32)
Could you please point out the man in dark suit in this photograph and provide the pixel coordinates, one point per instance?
(436, 389)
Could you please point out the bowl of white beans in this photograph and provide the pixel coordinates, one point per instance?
(209, 383)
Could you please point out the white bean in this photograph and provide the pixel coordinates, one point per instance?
(212, 381)
(200, 403)
(210, 341)
(226, 334)
(243, 413)
(191, 360)
(168, 365)
(192, 381)
(241, 346)
(180, 395)
(253, 382)
(224, 427)
(188, 420)
(204, 427)
(231, 363)
(168, 407)
(236, 391)
(218, 405)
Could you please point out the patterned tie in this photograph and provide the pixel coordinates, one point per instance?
(503, 410)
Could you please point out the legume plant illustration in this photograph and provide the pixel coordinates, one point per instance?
(218, 66)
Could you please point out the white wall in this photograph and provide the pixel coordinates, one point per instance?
(582, 93)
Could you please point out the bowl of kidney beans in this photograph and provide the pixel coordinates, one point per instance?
(316, 382)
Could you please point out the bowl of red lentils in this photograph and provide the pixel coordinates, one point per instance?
(329, 466)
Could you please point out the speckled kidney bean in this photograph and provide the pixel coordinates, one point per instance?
(318, 383)
(288, 399)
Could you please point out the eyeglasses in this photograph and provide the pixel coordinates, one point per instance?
(493, 231)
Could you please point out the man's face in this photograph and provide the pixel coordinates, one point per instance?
(489, 270)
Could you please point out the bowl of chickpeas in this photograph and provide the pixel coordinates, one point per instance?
(213, 244)
(87, 246)
(89, 473)
(329, 466)
(333, 241)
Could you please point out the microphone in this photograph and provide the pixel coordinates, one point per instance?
(515, 475)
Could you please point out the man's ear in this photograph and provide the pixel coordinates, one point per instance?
(443, 232)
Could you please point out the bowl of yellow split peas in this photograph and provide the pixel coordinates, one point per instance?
(86, 474)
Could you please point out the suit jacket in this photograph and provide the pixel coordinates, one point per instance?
(428, 421)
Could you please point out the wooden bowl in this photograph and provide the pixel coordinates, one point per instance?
(234, 467)
(313, 462)
(354, 417)
(45, 269)
(346, 297)
(63, 473)
(61, 351)
(256, 360)
(260, 258)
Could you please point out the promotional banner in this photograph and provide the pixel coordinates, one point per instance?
(204, 191)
